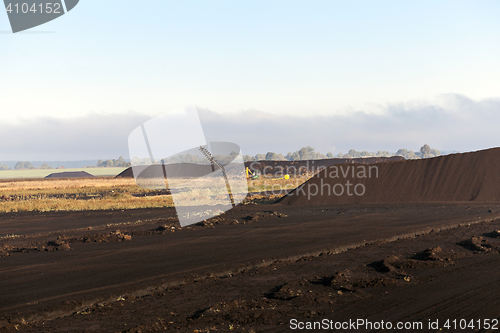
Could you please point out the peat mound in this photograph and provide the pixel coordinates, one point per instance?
(310, 167)
(70, 174)
(266, 168)
(472, 177)
(180, 170)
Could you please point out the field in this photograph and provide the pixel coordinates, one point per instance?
(103, 193)
(104, 255)
(42, 173)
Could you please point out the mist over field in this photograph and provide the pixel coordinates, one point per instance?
(450, 122)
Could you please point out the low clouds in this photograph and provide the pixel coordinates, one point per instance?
(91, 137)
(452, 122)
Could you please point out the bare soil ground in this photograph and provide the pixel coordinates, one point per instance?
(252, 269)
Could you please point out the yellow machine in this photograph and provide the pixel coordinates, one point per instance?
(253, 175)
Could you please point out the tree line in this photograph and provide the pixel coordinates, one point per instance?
(306, 153)
(119, 163)
(24, 165)
(309, 153)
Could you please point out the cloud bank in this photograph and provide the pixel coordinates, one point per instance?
(452, 122)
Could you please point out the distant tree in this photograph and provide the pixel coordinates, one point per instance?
(248, 158)
(307, 153)
(274, 157)
(408, 154)
(136, 161)
(366, 154)
(383, 153)
(4, 167)
(435, 152)
(425, 151)
(120, 162)
(292, 156)
(23, 165)
(45, 166)
(402, 152)
(412, 155)
(318, 156)
(329, 155)
(353, 153)
(146, 160)
(260, 157)
(271, 156)
(280, 157)
(106, 164)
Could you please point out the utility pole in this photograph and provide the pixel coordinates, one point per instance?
(214, 162)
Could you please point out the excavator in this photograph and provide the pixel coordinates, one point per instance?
(252, 175)
(256, 174)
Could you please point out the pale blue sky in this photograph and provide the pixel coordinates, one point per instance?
(299, 58)
(315, 57)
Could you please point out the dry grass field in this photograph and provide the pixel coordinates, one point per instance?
(102, 193)
(77, 195)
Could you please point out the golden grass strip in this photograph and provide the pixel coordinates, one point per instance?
(52, 204)
(85, 183)
(111, 194)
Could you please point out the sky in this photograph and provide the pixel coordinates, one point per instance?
(269, 75)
